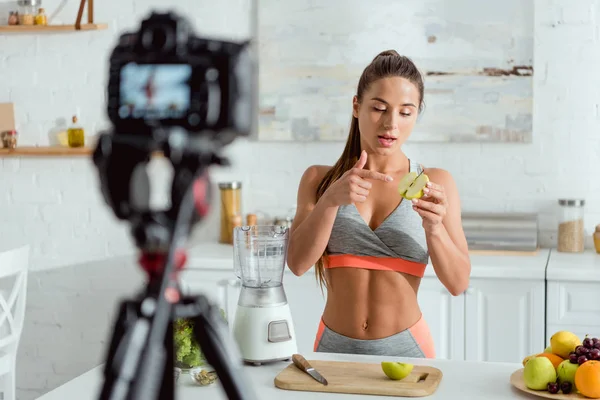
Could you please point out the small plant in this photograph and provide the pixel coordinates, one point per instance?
(187, 350)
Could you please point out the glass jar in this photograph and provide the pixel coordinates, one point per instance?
(28, 9)
(13, 18)
(231, 209)
(9, 139)
(571, 235)
(597, 239)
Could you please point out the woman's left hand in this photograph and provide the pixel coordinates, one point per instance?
(432, 206)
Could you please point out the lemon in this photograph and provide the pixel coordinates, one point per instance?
(563, 343)
(396, 370)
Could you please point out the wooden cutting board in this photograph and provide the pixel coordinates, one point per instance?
(360, 378)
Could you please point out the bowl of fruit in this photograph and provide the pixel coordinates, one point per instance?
(569, 368)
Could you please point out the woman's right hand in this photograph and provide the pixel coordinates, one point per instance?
(353, 186)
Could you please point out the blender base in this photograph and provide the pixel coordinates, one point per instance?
(265, 334)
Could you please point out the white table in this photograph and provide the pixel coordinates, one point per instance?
(461, 380)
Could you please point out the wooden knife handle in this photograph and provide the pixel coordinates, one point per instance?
(300, 362)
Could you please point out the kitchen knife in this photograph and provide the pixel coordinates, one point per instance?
(303, 365)
(417, 177)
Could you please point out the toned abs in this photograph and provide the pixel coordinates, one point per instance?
(370, 304)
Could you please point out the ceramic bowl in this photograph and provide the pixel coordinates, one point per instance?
(203, 376)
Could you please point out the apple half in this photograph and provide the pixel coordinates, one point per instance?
(411, 185)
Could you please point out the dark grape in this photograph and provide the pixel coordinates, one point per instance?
(588, 343)
(581, 360)
(566, 387)
(581, 351)
(573, 358)
(594, 354)
(596, 343)
(553, 387)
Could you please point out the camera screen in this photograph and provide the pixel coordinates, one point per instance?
(149, 91)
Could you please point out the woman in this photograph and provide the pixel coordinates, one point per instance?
(369, 246)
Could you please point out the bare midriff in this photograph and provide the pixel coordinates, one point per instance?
(370, 304)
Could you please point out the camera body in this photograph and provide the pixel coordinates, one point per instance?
(163, 76)
(173, 92)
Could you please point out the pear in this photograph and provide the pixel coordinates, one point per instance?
(538, 372)
(528, 358)
(396, 370)
(415, 191)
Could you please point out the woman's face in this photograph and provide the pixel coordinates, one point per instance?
(387, 114)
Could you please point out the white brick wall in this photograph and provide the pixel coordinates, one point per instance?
(55, 204)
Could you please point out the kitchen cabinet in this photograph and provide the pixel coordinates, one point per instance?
(573, 294)
(445, 316)
(504, 319)
(500, 318)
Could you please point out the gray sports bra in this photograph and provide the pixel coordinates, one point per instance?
(397, 244)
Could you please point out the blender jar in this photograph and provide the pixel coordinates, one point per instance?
(260, 254)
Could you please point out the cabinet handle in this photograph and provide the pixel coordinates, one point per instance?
(470, 291)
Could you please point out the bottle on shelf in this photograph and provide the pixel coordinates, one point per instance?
(76, 134)
(40, 18)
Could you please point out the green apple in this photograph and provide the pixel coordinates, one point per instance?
(566, 372)
(548, 349)
(415, 191)
(396, 370)
(406, 181)
(538, 372)
(411, 185)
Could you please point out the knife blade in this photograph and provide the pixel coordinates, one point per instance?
(413, 182)
(304, 365)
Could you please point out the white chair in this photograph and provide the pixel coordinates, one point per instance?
(14, 266)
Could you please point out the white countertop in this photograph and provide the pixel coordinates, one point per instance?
(461, 380)
(580, 267)
(211, 255)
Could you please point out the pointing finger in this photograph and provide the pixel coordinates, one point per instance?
(374, 175)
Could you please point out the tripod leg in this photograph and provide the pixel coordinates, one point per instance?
(168, 385)
(212, 334)
(118, 375)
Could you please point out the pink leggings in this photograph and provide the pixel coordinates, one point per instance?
(415, 341)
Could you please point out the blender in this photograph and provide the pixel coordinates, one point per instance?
(263, 326)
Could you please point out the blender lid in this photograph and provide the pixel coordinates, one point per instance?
(33, 3)
(230, 185)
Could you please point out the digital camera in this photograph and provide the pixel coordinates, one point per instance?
(163, 76)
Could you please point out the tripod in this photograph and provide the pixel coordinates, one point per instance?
(140, 359)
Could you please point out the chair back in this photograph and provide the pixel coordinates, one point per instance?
(14, 268)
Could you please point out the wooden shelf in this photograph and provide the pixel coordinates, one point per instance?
(50, 28)
(49, 151)
(53, 151)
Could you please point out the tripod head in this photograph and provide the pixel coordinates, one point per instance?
(185, 97)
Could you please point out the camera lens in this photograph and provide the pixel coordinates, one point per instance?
(158, 38)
